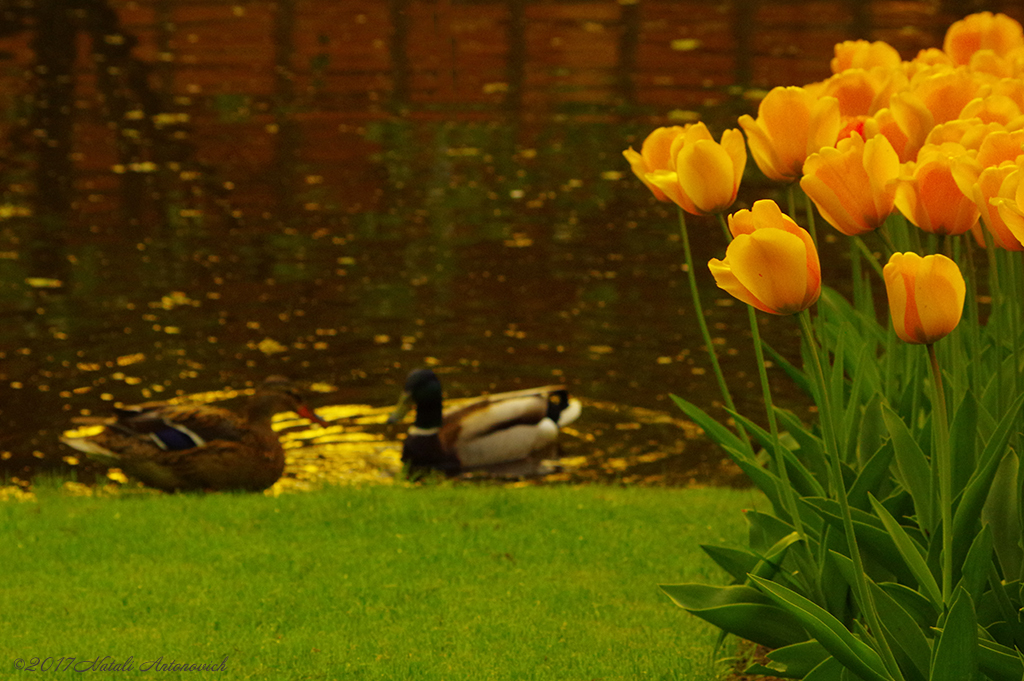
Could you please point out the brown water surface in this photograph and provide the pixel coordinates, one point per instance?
(199, 194)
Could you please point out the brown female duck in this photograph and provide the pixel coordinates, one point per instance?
(183, 447)
(503, 434)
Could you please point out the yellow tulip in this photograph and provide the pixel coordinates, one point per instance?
(926, 296)
(791, 123)
(982, 31)
(928, 194)
(905, 123)
(1009, 200)
(945, 91)
(860, 54)
(703, 176)
(854, 184)
(771, 264)
(654, 155)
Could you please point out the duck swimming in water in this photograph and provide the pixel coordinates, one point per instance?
(186, 447)
(505, 433)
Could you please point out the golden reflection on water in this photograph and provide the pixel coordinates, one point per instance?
(610, 441)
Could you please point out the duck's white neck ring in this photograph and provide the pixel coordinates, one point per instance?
(416, 431)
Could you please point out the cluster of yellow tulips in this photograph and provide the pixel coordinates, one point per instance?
(926, 157)
(938, 137)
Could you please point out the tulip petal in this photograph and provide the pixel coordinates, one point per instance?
(667, 181)
(705, 169)
(772, 265)
(940, 292)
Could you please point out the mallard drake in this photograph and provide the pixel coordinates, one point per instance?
(493, 432)
(183, 447)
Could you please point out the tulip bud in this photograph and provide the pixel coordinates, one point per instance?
(926, 296)
(772, 263)
(700, 175)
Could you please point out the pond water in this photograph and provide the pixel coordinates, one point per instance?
(198, 195)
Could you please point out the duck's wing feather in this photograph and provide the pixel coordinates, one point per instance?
(176, 428)
(482, 418)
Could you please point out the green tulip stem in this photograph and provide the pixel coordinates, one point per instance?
(862, 594)
(809, 208)
(702, 323)
(868, 256)
(773, 427)
(943, 460)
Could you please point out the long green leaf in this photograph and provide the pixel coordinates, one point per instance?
(998, 662)
(968, 511)
(737, 562)
(905, 637)
(912, 557)
(915, 474)
(871, 476)
(811, 451)
(974, 573)
(740, 610)
(715, 430)
(955, 657)
(853, 653)
(802, 480)
(795, 374)
(963, 434)
(792, 662)
(828, 670)
(872, 537)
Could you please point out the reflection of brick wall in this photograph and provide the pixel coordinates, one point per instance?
(274, 98)
(343, 54)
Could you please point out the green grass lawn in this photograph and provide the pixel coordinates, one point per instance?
(432, 582)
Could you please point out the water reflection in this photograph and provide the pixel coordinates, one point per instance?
(197, 195)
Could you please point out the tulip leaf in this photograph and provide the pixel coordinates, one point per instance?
(829, 670)
(737, 562)
(912, 557)
(872, 538)
(974, 573)
(716, 431)
(1002, 511)
(871, 476)
(915, 604)
(963, 433)
(904, 635)
(955, 657)
(872, 427)
(998, 662)
(811, 451)
(838, 303)
(968, 511)
(739, 610)
(765, 531)
(800, 478)
(914, 472)
(764, 480)
(795, 374)
(793, 661)
(853, 653)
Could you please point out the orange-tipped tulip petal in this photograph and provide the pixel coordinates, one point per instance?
(926, 296)
(772, 263)
(654, 155)
(791, 123)
(982, 31)
(854, 184)
(703, 176)
(929, 197)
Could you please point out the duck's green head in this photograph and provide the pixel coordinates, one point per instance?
(423, 389)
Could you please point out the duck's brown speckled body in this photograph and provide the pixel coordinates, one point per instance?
(184, 447)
